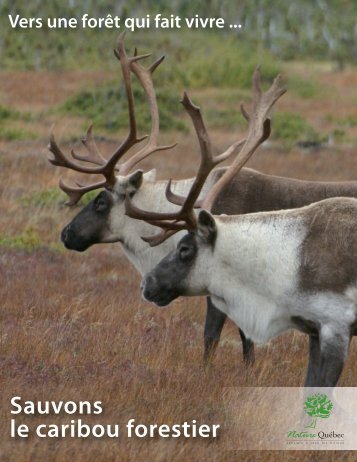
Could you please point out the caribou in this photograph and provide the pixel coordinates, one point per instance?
(104, 220)
(268, 271)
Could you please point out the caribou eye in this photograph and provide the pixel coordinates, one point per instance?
(185, 252)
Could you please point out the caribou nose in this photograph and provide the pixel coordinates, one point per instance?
(148, 286)
(67, 237)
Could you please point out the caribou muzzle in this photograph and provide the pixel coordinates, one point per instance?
(72, 241)
(153, 291)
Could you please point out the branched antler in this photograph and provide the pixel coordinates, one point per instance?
(185, 218)
(258, 132)
(108, 167)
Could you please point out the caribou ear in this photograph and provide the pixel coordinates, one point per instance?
(207, 228)
(150, 176)
(135, 180)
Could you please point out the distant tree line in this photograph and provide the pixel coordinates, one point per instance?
(318, 29)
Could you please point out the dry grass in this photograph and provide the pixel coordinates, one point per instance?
(73, 326)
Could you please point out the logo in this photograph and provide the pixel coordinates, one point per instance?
(318, 406)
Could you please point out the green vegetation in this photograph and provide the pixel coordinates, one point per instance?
(53, 197)
(28, 241)
(306, 89)
(46, 198)
(89, 196)
(223, 60)
(224, 118)
(15, 134)
(210, 66)
(106, 107)
(339, 135)
(7, 113)
(349, 121)
(290, 127)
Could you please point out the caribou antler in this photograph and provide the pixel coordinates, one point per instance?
(258, 132)
(108, 167)
(185, 218)
(145, 78)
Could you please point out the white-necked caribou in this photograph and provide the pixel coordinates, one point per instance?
(103, 220)
(268, 271)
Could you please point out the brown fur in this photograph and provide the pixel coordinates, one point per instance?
(329, 250)
(252, 191)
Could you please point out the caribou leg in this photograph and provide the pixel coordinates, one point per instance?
(314, 360)
(214, 323)
(248, 349)
(334, 342)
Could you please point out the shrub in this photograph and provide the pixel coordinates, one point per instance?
(303, 88)
(7, 113)
(28, 241)
(291, 127)
(106, 107)
(13, 134)
(53, 197)
(45, 198)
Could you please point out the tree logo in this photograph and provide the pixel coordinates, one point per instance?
(317, 406)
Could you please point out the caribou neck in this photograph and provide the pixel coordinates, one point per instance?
(248, 256)
(152, 196)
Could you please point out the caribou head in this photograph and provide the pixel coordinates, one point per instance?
(104, 220)
(92, 224)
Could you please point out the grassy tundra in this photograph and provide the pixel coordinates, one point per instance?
(73, 326)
